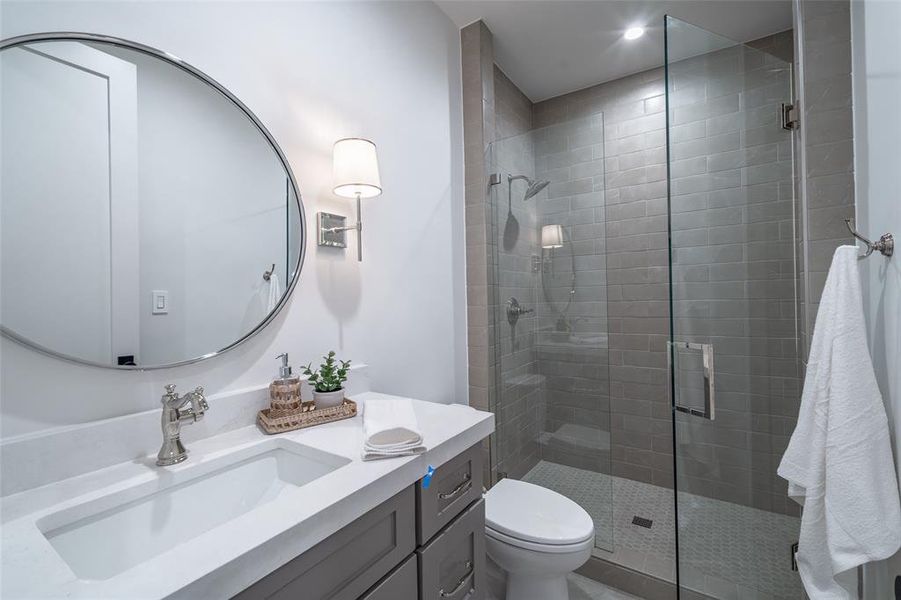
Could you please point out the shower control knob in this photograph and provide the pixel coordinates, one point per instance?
(516, 310)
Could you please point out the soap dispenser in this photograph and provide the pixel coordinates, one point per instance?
(284, 392)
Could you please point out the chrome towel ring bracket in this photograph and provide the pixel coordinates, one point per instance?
(885, 244)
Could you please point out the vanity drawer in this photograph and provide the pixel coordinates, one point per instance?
(401, 584)
(452, 565)
(454, 486)
(347, 564)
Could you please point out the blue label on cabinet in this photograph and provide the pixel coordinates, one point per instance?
(427, 480)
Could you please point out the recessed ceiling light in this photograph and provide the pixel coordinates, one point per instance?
(633, 33)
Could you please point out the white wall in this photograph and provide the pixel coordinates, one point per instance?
(207, 178)
(876, 51)
(60, 113)
(312, 72)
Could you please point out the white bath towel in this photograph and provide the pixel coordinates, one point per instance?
(275, 292)
(390, 429)
(839, 459)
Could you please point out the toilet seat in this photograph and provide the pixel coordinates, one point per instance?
(535, 518)
(538, 547)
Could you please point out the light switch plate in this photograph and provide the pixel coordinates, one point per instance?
(334, 239)
(160, 302)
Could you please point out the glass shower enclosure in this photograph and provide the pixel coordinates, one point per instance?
(723, 282)
(733, 349)
(550, 347)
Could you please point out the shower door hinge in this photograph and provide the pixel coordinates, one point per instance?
(794, 553)
(789, 120)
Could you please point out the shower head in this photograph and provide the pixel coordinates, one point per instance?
(534, 186)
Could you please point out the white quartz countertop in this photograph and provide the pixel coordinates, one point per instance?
(226, 559)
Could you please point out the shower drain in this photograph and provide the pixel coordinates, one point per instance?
(642, 522)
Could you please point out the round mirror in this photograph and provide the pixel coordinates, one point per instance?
(147, 218)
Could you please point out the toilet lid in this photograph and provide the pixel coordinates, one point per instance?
(535, 514)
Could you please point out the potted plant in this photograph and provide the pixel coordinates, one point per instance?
(328, 381)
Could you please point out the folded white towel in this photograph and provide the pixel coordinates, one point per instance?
(839, 459)
(275, 292)
(390, 429)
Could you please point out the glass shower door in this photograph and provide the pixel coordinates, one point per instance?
(734, 352)
(549, 290)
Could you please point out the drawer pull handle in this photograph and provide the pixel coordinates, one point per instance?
(463, 487)
(460, 584)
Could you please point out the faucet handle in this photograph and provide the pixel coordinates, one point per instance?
(170, 388)
(201, 405)
(204, 406)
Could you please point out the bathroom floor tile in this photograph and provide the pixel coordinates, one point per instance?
(583, 588)
(580, 588)
(721, 540)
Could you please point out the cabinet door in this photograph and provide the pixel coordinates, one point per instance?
(345, 565)
(401, 584)
(452, 565)
(453, 487)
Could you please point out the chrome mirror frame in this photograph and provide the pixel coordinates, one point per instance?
(70, 36)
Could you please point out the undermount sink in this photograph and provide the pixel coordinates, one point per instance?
(116, 536)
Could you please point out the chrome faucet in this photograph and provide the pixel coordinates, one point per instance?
(172, 450)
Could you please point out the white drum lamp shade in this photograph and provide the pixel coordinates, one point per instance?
(356, 169)
(552, 236)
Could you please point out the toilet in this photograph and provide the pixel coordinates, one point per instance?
(537, 537)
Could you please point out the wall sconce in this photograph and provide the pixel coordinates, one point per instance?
(355, 171)
(552, 236)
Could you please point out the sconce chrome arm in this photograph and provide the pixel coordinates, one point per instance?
(358, 227)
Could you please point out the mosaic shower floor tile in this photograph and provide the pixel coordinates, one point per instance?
(725, 548)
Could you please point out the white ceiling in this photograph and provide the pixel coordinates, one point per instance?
(551, 47)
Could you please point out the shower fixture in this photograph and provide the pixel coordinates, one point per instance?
(535, 186)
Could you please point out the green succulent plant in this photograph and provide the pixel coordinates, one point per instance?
(330, 375)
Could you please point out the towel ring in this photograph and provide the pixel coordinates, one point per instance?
(885, 244)
(268, 274)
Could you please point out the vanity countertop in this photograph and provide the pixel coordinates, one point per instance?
(222, 561)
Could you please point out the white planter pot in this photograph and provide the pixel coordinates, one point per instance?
(328, 399)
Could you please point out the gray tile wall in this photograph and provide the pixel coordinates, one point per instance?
(752, 249)
(499, 365)
(728, 149)
(734, 270)
(572, 327)
(825, 140)
(520, 403)
(478, 131)
(636, 263)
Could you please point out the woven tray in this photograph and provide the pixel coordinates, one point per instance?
(279, 421)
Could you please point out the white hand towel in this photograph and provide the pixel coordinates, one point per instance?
(390, 429)
(839, 460)
(275, 292)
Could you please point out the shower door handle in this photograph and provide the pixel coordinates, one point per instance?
(709, 387)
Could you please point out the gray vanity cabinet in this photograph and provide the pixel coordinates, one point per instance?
(345, 565)
(455, 485)
(425, 543)
(402, 582)
(452, 564)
